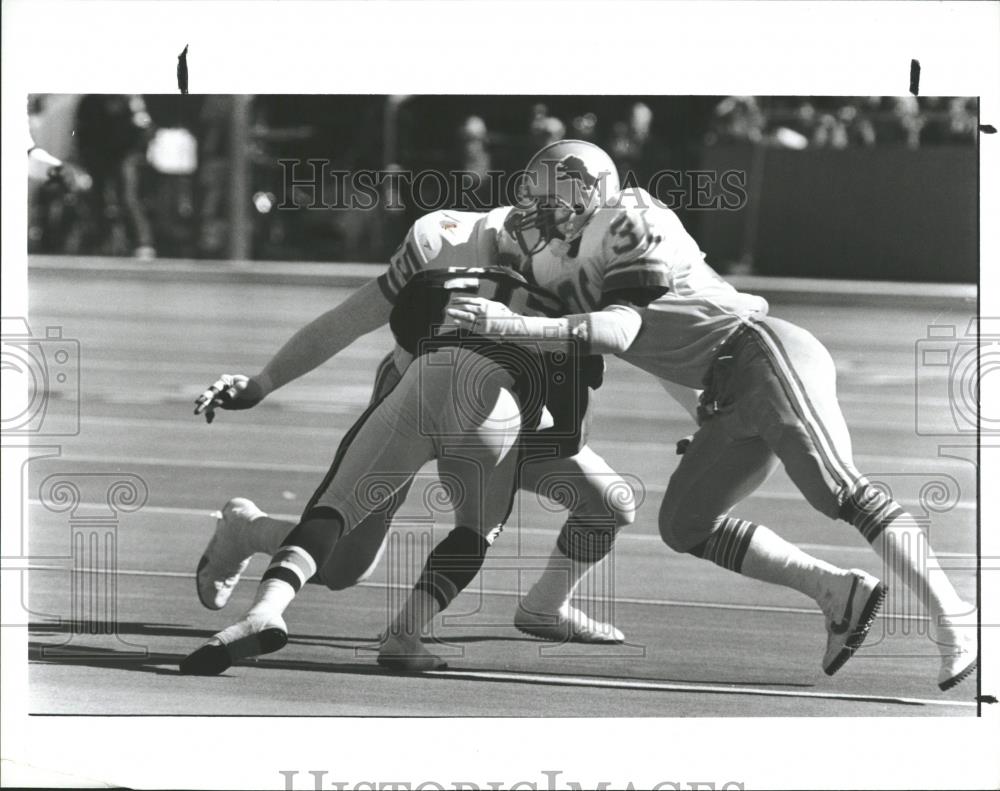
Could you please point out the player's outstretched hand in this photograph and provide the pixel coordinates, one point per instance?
(231, 391)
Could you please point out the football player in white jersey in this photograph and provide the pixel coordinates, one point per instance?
(639, 285)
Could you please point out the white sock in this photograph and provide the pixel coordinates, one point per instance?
(559, 580)
(274, 594)
(772, 559)
(906, 552)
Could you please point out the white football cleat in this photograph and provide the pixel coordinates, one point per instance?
(225, 557)
(248, 637)
(956, 638)
(568, 624)
(850, 608)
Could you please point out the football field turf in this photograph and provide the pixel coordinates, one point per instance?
(701, 641)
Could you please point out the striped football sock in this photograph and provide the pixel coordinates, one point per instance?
(905, 550)
(308, 544)
(903, 546)
(288, 571)
(755, 551)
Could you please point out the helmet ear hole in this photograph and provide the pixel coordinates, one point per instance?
(579, 208)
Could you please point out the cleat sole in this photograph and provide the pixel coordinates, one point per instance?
(197, 574)
(411, 664)
(211, 660)
(857, 637)
(560, 631)
(947, 684)
(556, 634)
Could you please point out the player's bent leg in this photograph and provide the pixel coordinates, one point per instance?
(456, 560)
(262, 630)
(904, 547)
(389, 448)
(358, 553)
(451, 566)
(475, 438)
(716, 472)
(601, 502)
(812, 439)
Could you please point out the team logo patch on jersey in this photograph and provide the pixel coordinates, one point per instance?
(448, 225)
(572, 167)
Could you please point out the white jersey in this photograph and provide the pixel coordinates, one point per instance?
(441, 240)
(639, 246)
(626, 251)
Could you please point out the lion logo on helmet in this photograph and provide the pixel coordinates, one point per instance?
(572, 167)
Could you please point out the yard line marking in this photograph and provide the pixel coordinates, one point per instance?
(187, 575)
(663, 686)
(280, 467)
(166, 510)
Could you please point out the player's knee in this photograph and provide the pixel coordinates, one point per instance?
(619, 502)
(500, 429)
(682, 540)
(682, 530)
(340, 583)
(624, 516)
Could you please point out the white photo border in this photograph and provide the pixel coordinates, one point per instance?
(792, 48)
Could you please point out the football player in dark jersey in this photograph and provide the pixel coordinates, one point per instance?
(600, 502)
(483, 408)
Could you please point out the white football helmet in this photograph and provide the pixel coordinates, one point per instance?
(560, 189)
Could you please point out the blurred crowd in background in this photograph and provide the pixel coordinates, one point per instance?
(842, 122)
(199, 176)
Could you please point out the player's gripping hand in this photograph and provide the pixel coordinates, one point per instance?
(483, 316)
(231, 391)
